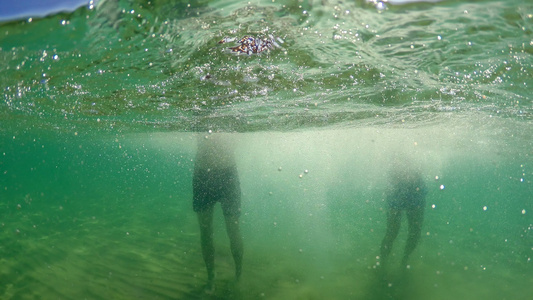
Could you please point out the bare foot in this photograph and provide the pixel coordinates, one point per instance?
(210, 287)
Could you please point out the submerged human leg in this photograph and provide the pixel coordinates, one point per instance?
(415, 219)
(394, 219)
(235, 237)
(205, 219)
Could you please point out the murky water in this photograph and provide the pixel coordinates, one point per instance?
(102, 108)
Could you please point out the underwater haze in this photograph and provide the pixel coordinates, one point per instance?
(102, 108)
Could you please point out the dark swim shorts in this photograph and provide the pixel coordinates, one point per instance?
(212, 185)
(408, 196)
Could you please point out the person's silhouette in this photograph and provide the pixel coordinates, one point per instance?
(407, 194)
(216, 179)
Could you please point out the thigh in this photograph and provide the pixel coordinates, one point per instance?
(203, 195)
(415, 216)
(231, 194)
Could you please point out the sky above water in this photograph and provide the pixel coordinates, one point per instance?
(12, 10)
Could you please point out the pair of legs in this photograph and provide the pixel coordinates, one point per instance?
(205, 219)
(415, 217)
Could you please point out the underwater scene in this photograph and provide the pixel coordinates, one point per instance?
(269, 149)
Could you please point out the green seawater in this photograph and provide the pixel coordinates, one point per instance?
(102, 107)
